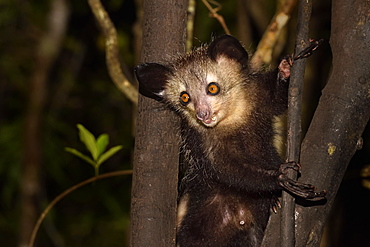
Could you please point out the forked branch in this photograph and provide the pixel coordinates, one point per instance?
(214, 14)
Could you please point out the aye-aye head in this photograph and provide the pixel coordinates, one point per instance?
(206, 86)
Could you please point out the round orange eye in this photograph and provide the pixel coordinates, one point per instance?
(184, 98)
(213, 88)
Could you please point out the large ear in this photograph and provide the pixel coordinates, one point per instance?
(229, 46)
(152, 78)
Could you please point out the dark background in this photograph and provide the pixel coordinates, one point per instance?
(79, 90)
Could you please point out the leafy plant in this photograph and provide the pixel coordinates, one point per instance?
(96, 147)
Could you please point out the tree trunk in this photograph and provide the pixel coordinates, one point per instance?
(341, 116)
(154, 191)
(339, 121)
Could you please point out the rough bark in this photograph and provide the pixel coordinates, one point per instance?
(341, 116)
(154, 191)
(294, 119)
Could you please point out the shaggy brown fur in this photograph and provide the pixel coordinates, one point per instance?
(233, 170)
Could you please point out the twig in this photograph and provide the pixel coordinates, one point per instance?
(263, 54)
(112, 55)
(294, 119)
(214, 14)
(65, 193)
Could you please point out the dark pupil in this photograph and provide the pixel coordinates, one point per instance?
(213, 88)
(184, 98)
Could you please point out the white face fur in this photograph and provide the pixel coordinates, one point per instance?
(210, 93)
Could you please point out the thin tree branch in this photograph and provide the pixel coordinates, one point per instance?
(263, 54)
(294, 119)
(214, 14)
(112, 54)
(67, 192)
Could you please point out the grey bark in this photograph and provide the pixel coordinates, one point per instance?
(341, 116)
(154, 191)
(335, 132)
(294, 119)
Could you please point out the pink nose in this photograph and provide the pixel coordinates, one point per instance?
(203, 115)
(203, 111)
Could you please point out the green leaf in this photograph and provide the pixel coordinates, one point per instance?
(102, 143)
(108, 154)
(89, 140)
(80, 155)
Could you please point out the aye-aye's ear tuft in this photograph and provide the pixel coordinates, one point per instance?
(152, 78)
(229, 46)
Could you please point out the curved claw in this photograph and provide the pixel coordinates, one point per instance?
(314, 44)
(306, 191)
(275, 204)
(289, 165)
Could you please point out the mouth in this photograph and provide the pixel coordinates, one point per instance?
(206, 116)
(210, 122)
